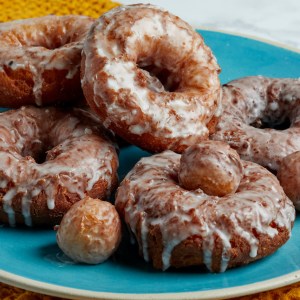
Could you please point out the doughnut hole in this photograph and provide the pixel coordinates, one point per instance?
(90, 231)
(211, 166)
(282, 125)
(289, 177)
(159, 79)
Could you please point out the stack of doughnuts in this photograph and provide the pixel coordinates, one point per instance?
(207, 197)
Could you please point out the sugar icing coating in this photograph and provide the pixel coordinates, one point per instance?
(257, 101)
(79, 161)
(32, 54)
(90, 231)
(125, 53)
(151, 201)
(224, 165)
(289, 177)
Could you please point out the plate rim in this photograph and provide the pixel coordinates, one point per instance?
(251, 37)
(222, 293)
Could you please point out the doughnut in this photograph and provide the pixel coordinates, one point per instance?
(90, 231)
(261, 119)
(289, 177)
(50, 159)
(179, 227)
(40, 60)
(151, 78)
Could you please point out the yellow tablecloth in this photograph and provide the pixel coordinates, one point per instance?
(19, 9)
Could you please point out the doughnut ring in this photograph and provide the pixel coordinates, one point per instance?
(151, 78)
(178, 226)
(261, 119)
(46, 166)
(40, 60)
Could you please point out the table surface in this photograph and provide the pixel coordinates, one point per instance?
(277, 20)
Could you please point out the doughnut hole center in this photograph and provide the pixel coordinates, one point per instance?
(262, 124)
(160, 76)
(37, 150)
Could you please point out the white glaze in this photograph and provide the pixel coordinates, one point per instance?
(149, 190)
(28, 45)
(270, 100)
(81, 161)
(173, 115)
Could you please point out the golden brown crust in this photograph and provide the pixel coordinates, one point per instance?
(190, 251)
(90, 231)
(213, 167)
(176, 227)
(289, 177)
(40, 60)
(80, 161)
(150, 78)
(260, 118)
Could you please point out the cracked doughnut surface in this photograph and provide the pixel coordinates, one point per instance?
(40, 60)
(50, 159)
(179, 227)
(261, 119)
(151, 78)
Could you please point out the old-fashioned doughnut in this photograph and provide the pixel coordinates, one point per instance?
(179, 227)
(289, 177)
(151, 78)
(50, 159)
(90, 231)
(40, 60)
(261, 119)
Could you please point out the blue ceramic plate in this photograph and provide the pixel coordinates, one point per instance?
(30, 258)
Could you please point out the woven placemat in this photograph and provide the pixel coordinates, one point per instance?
(20, 9)
(291, 292)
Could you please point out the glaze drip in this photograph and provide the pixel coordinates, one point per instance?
(257, 101)
(150, 194)
(79, 156)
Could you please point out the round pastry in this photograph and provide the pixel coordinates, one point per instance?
(225, 169)
(90, 231)
(289, 177)
(261, 119)
(178, 227)
(40, 60)
(151, 78)
(51, 159)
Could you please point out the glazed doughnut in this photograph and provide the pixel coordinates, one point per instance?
(261, 119)
(289, 177)
(50, 159)
(151, 78)
(90, 231)
(40, 60)
(179, 227)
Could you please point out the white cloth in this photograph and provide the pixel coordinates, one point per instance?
(277, 20)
